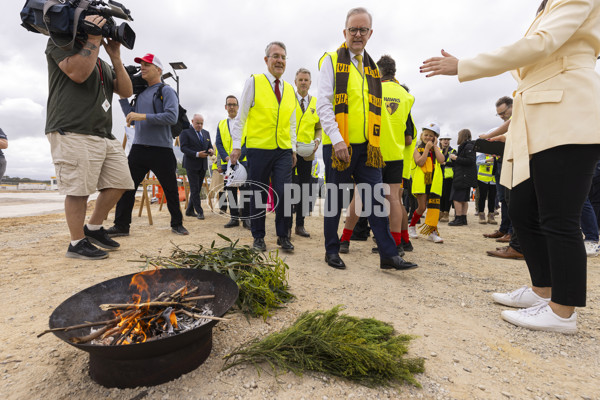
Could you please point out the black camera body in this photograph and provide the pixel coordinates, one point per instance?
(66, 17)
(135, 74)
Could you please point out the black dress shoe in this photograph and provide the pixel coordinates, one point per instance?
(200, 215)
(407, 246)
(232, 222)
(334, 261)
(246, 224)
(396, 262)
(190, 213)
(259, 244)
(345, 247)
(285, 244)
(300, 231)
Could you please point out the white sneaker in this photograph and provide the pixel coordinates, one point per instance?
(591, 248)
(523, 297)
(541, 318)
(435, 238)
(412, 232)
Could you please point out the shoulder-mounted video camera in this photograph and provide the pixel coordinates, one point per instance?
(135, 74)
(66, 17)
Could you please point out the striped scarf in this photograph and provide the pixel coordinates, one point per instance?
(340, 107)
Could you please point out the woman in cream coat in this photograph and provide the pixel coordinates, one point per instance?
(552, 146)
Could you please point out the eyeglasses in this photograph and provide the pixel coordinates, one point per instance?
(502, 113)
(353, 31)
(278, 57)
(231, 105)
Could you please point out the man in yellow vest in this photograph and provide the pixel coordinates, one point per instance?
(308, 137)
(268, 116)
(349, 106)
(224, 146)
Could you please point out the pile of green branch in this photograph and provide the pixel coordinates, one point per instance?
(361, 350)
(261, 278)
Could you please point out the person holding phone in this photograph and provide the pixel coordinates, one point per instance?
(554, 136)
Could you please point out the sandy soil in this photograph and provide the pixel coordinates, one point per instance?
(470, 352)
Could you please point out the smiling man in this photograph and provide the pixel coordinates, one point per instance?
(267, 115)
(349, 106)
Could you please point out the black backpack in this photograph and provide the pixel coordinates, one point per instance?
(182, 120)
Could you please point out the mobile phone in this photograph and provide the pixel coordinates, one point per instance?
(487, 147)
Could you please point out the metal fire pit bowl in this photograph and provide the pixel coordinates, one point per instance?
(153, 362)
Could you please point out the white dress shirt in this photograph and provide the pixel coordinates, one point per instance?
(325, 99)
(246, 102)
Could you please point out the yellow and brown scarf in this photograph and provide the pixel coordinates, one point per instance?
(433, 200)
(340, 107)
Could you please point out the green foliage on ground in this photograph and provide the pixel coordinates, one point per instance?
(261, 278)
(363, 350)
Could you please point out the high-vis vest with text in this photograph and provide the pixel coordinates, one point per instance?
(268, 123)
(358, 102)
(397, 103)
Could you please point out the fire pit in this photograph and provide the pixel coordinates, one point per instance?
(152, 362)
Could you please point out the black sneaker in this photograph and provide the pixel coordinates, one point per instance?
(179, 230)
(259, 244)
(116, 231)
(84, 250)
(100, 238)
(344, 247)
(407, 246)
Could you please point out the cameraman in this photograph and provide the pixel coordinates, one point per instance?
(152, 148)
(86, 156)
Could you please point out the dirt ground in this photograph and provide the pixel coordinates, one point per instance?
(470, 352)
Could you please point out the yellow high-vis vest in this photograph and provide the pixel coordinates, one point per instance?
(226, 137)
(358, 102)
(485, 172)
(268, 123)
(418, 183)
(306, 121)
(397, 103)
(409, 160)
(448, 171)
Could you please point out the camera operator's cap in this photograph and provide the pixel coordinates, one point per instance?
(434, 128)
(149, 58)
(445, 136)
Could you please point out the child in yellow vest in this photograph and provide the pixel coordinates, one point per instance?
(427, 183)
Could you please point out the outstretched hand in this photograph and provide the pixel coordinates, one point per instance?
(445, 65)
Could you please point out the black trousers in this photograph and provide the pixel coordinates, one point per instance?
(546, 211)
(161, 161)
(445, 203)
(195, 178)
(486, 191)
(262, 165)
(303, 178)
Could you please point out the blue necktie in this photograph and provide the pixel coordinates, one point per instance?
(200, 137)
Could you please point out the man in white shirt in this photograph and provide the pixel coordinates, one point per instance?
(268, 114)
(349, 107)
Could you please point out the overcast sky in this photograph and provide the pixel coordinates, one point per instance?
(222, 43)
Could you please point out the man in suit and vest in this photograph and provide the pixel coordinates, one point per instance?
(349, 107)
(268, 116)
(224, 147)
(196, 147)
(308, 132)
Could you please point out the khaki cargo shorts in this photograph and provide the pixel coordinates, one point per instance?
(86, 163)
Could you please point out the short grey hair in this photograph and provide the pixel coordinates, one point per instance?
(303, 71)
(268, 48)
(198, 115)
(359, 10)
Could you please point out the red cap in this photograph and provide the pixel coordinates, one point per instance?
(149, 58)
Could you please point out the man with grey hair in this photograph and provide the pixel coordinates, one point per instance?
(196, 146)
(308, 137)
(349, 107)
(267, 115)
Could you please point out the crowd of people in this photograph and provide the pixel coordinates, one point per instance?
(361, 117)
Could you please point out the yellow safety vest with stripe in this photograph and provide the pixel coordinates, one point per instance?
(409, 160)
(268, 123)
(358, 102)
(226, 138)
(486, 172)
(397, 103)
(418, 183)
(448, 171)
(306, 121)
